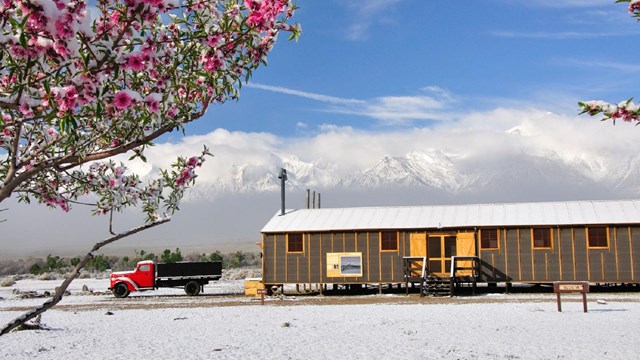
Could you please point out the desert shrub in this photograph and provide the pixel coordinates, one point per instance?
(12, 267)
(99, 263)
(171, 257)
(47, 276)
(74, 261)
(8, 281)
(35, 269)
(216, 256)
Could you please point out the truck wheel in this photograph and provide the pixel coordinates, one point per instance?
(120, 290)
(192, 288)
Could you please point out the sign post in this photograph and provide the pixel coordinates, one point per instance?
(566, 287)
(262, 293)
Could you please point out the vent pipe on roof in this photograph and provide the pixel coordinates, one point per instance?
(283, 178)
(311, 200)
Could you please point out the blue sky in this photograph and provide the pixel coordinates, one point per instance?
(378, 65)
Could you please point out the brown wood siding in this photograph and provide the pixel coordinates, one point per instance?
(314, 259)
(596, 265)
(540, 261)
(326, 248)
(624, 254)
(580, 247)
(338, 242)
(388, 261)
(374, 252)
(362, 248)
(512, 255)
(566, 254)
(526, 265)
(635, 252)
(296, 266)
(609, 259)
(499, 262)
(268, 257)
(486, 264)
(550, 265)
(349, 242)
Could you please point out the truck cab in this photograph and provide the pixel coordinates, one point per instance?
(142, 278)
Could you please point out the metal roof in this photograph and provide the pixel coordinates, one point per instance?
(457, 216)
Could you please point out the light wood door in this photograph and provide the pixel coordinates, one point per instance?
(440, 248)
(417, 247)
(465, 246)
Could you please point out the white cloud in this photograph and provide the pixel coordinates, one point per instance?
(365, 14)
(563, 35)
(611, 65)
(305, 94)
(487, 135)
(388, 110)
(569, 3)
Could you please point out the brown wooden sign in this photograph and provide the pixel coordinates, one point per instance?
(565, 287)
(262, 293)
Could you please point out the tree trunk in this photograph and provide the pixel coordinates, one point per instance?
(57, 296)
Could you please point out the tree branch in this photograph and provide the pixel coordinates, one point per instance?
(57, 296)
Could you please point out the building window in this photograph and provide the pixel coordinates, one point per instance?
(295, 243)
(597, 237)
(389, 240)
(542, 238)
(489, 239)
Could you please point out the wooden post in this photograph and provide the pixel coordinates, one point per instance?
(262, 293)
(559, 302)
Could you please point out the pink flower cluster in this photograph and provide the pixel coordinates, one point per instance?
(634, 5)
(263, 13)
(57, 201)
(626, 110)
(188, 172)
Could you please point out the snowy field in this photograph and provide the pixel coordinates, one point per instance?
(223, 324)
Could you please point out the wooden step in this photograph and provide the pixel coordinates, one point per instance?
(436, 286)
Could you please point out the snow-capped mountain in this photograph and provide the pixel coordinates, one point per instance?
(426, 168)
(515, 174)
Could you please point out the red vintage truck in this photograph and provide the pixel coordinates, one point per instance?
(149, 275)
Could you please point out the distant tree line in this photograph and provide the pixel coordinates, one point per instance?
(101, 262)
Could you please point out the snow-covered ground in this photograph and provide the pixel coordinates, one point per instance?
(167, 324)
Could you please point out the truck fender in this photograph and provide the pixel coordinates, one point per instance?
(126, 280)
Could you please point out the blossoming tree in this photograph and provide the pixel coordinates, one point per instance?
(81, 82)
(626, 110)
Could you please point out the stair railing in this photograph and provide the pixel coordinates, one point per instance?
(475, 270)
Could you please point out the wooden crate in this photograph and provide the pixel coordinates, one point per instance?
(251, 286)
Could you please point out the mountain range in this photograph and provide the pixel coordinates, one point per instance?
(519, 176)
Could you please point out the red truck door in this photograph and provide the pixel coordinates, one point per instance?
(144, 274)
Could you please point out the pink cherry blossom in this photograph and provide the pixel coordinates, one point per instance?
(122, 100)
(135, 63)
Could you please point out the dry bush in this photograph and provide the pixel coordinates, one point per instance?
(8, 281)
(241, 273)
(12, 267)
(47, 276)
